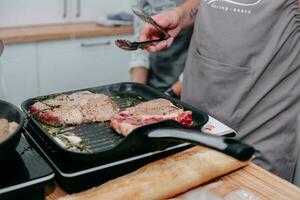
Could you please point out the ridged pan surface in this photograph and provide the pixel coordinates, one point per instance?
(100, 137)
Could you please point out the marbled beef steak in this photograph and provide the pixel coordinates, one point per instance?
(77, 108)
(147, 113)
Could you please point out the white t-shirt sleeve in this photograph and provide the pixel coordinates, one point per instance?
(181, 77)
(139, 58)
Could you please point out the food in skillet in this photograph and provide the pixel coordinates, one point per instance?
(74, 109)
(6, 128)
(147, 113)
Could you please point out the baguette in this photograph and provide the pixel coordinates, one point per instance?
(165, 178)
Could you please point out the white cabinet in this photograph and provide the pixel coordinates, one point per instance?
(35, 12)
(74, 64)
(29, 12)
(29, 70)
(89, 10)
(18, 73)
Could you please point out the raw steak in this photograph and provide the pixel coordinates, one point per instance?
(77, 108)
(147, 113)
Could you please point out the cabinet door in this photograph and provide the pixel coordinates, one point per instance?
(29, 12)
(74, 64)
(18, 73)
(89, 10)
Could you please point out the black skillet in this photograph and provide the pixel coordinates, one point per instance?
(149, 136)
(108, 145)
(11, 113)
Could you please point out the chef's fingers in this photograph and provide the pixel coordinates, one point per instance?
(148, 32)
(161, 45)
(157, 47)
(170, 42)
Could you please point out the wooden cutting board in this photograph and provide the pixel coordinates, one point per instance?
(252, 178)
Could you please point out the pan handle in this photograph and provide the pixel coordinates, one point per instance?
(229, 146)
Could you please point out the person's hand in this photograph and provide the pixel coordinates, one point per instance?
(175, 90)
(139, 75)
(171, 21)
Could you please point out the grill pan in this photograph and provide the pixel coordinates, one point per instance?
(106, 145)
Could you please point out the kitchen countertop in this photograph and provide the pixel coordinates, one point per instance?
(59, 32)
(252, 178)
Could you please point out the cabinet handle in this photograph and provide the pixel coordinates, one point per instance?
(78, 8)
(3, 86)
(1, 47)
(95, 44)
(65, 12)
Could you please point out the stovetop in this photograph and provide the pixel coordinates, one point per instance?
(24, 170)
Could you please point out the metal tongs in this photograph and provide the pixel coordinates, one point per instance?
(131, 46)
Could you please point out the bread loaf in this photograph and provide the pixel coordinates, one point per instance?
(165, 178)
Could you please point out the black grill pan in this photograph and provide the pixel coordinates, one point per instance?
(103, 142)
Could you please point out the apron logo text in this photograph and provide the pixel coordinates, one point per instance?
(234, 2)
(234, 6)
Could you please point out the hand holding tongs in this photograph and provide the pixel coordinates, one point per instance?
(130, 46)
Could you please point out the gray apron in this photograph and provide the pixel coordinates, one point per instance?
(243, 68)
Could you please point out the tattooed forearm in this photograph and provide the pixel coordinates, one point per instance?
(194, 10)
(193, 13)
(189, 10)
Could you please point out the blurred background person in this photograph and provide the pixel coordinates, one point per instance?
(161, 70)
